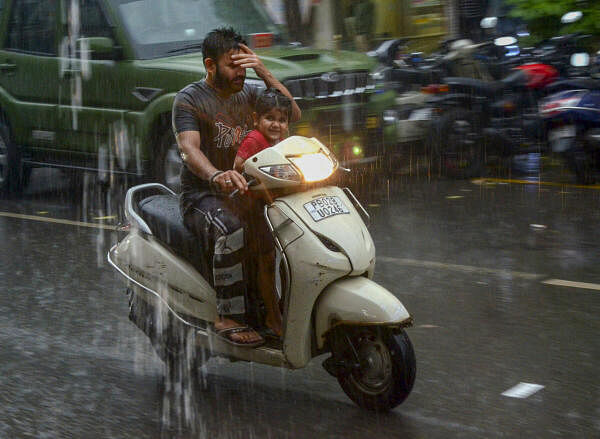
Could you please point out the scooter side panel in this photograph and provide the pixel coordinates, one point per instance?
(356, 301)
(174, 279)
(312, 268)
(347, 231)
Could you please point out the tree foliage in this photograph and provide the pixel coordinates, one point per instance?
(543, 16)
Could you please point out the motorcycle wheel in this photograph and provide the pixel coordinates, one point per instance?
(386, 368)
(456, 146)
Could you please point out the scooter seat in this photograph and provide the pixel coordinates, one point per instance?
(162, 214)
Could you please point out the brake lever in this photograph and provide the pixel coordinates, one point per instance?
(251, 182)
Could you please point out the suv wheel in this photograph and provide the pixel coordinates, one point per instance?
(168, 161)
(11, 168)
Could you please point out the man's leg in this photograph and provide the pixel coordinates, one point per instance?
(222, 235)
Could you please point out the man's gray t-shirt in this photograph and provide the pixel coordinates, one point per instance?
(222, 123)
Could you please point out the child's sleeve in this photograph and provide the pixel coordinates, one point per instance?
(248, 148)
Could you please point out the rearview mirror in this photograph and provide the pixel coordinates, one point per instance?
(98, 47)
(488, 22)
(505, 41)
(571, 17)
(580, 59)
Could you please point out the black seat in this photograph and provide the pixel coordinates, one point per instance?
(474, 86)
(573, 84)
(487, 88)
(423, 76)
(162, 214)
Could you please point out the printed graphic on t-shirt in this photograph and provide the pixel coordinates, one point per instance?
(228, 135)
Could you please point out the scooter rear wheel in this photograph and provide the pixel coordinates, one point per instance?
(384, 367)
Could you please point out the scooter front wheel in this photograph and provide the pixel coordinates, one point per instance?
(382, 366)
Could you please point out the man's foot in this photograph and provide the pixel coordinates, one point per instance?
(236, 333)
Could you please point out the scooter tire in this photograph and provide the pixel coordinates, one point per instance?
(395, 354)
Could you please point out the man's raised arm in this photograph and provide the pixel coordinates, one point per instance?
(248, 59)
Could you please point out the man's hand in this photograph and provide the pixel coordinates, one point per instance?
(249, 60)
(231, 180)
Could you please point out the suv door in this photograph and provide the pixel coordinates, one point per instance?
(29, 71)
(91, 102)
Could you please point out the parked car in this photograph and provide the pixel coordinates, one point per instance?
(89, 84)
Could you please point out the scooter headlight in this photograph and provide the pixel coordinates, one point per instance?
(314, 167)
(284, 172)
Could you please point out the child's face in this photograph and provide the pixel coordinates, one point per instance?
(273, 125)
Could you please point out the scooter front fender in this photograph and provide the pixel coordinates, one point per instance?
(357, 301)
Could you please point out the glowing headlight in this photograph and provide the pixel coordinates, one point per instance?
(314, 167)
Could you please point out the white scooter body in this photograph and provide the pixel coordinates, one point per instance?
(326, 251)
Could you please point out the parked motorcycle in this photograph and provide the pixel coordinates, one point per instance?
(478, 120)
(573, 121)
(329, 302)
(416, 81)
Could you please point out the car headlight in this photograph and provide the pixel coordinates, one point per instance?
(314, 167)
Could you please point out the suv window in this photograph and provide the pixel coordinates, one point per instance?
(158, 28)
(32, 26)
(93, 21)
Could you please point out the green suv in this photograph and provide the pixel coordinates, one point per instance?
(89, 84)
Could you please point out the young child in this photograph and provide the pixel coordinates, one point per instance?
(271, 115)
(271, 118)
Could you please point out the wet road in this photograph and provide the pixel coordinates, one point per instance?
(503, 281)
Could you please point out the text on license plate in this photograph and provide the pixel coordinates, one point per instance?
(324, 207)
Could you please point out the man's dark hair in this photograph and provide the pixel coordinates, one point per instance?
(220, 41)
(272, 98)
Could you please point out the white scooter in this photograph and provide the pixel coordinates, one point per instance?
(327, 260)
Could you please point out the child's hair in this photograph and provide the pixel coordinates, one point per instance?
(272, 98)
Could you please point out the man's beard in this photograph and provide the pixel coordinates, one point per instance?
(222, 83)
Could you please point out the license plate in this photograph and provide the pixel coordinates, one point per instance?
(324, 207)
(562, 132)
(420, 114)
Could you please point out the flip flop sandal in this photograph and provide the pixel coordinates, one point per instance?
(269, 333)
(224, 334)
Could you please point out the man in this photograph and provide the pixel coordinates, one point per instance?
(210, 119)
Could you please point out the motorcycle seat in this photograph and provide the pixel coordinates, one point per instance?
(162, 214)
(416, 76)
(573, 84)
(486, 88)
(474, 86)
